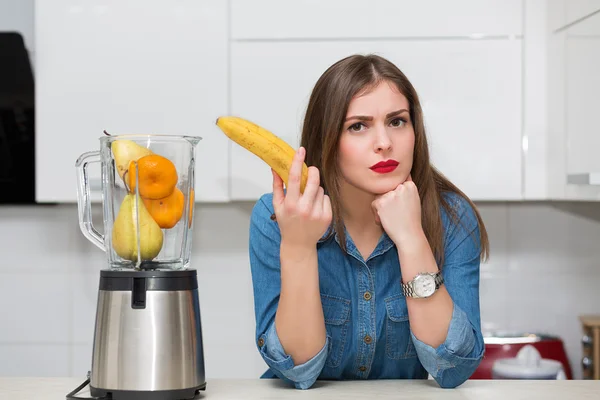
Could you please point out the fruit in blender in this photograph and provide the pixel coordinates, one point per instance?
(125, 151)
(167, 211)
(157, 176)
(125, 231)
(271, 149)
(192, 203)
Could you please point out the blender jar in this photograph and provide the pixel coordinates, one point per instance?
(147, 200)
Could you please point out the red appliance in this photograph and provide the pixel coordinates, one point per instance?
(508, 345)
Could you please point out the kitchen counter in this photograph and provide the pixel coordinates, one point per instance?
(226, 389)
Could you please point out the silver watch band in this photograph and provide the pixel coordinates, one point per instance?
(408, 288)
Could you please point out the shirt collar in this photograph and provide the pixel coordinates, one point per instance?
(384, 244)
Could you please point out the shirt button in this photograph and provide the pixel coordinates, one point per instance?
(261, 342)
(368, 339)
(367, 296)
(362, 369)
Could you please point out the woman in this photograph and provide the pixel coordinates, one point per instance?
(373, 271)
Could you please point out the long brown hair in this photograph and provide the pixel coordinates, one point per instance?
(323, 124)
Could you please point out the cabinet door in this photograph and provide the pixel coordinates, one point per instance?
(470, 92)
(376, 19)
(582, 63)
(133, 66)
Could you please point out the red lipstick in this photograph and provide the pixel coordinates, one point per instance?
(384, 167)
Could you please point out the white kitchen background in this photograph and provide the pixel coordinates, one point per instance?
(509, 91)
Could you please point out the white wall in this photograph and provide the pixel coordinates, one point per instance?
(544, 272)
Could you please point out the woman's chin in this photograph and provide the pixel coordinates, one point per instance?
(383, 186)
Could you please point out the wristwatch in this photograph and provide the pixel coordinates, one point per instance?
(423, 285)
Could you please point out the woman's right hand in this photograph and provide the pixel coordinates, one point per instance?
(303, 218)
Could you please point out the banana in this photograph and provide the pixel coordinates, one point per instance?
(264, 133)
(271, 149)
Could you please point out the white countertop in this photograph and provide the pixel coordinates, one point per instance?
(226, 389)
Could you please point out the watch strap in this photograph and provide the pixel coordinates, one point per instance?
(408, 290)
(439, 280)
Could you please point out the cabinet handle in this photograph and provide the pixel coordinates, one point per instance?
(587, 363)
(592, 178)
(587, 341)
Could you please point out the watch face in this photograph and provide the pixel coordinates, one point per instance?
(424, 285)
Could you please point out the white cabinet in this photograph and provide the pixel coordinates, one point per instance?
(351, 19)
(583, 86)
(582, 57)
(574, 84)
(470, 89)
(129, 66)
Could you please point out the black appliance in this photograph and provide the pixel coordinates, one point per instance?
(17, 122)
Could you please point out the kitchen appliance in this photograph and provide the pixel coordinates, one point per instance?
(508, 344)
(17, 122)
(148, 334)
(590, 341)
(528, 364)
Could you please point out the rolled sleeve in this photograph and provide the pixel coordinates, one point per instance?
(302, 376)
(460, 349)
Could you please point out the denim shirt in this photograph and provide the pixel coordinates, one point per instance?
(366, 316)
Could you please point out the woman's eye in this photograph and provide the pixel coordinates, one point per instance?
(398, 122)
(356, 127)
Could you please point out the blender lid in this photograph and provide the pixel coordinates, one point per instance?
(527, 364)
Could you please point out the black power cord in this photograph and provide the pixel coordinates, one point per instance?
(78, 389)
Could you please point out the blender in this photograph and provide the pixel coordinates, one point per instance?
(148, 336)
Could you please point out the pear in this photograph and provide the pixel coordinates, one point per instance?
(125, 151)
(124, 233)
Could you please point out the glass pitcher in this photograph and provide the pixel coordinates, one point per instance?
(147, 197)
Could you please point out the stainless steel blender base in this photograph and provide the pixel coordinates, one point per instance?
(148, 336)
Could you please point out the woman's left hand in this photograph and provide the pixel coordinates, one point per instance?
(399, 212)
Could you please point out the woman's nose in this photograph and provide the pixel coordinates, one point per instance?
(382, 140)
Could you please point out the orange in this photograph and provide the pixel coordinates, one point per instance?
(157, 179)
(168, 211)
(191, 208)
